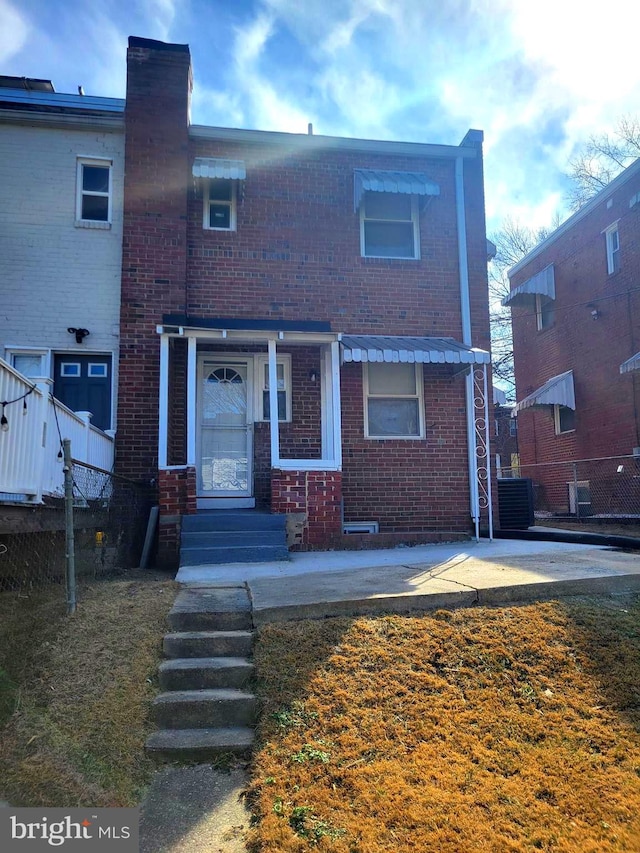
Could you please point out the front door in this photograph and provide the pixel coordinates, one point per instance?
(83, 383)
(225, 421)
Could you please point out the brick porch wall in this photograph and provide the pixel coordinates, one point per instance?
(177, 497)
(318, 496)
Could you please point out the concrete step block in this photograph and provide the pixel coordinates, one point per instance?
(220, 519)
(205, 673)
(204, 709)
(216, 609)
(202, 644)
(233, 554)
(199, 744)
(230, 538)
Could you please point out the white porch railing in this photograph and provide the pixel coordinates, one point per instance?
(30, 439)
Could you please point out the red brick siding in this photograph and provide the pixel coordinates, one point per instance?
(176, 495)
(606, 401)
(318, 494)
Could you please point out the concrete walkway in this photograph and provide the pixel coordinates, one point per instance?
(316, 585)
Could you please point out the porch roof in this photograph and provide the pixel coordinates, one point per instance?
(378, 181)
(391, 348)
(212, 167)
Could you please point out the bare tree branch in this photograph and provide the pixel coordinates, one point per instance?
(602, 158)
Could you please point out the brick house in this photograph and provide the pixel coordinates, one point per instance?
(576, 330)
(348, 274)
(504, 436)
(62, 175)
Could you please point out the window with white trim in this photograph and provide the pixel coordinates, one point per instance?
(283, 369)
(34, 364)
(394, 406)
(389, 226)
(564, 418)
(545, 312)
(94, 191)
(612, 238)
(220, 202)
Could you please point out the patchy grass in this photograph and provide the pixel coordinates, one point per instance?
(80, 691)
(507, 729)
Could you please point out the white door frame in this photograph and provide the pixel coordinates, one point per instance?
(225, 501)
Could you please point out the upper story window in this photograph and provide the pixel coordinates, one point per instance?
(389, 226)
(513, 427)
(94, 190)
(220, 204)
(545, 312)
(393, 400)
(613, 248)
(389, 204)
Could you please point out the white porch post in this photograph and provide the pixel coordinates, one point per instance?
(163, 408)
(335, 400)
(273, 406)
(488, 432)
(191, 401)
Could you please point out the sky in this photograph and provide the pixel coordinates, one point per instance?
(537, 76)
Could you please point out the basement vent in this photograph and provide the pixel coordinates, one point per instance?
(361, 527)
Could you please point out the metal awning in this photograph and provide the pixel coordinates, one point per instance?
(408, 183)
(366, 348)
(211, 167)
(630, 364)
(542, 283)
(556, 391)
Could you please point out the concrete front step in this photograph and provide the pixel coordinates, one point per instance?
(204, 673)
(215, 555)
(199, 744)
(220, 519)
(211, 610)
(204, 709)
(202, 644)
(230, 538)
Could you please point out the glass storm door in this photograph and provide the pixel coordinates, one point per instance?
(225, 446)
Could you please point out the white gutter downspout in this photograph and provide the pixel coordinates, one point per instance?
(465, 309)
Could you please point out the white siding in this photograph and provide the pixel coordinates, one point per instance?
(54, 275)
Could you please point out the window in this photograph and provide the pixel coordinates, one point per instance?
(565, 419)
(545, 312)
(389, 226)
(393, 401)
(613, 248)
(93, 201)
(97, 369)
(498, 465)
(69, 368)
(496, 426)
(513, 427)
(283, 368)
(220, 205)
(33, 365)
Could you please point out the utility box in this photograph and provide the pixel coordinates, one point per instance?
(515, 503)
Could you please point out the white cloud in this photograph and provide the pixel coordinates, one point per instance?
(14, 31)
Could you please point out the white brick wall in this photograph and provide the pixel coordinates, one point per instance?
(52, 274)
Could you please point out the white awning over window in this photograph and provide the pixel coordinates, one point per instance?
(409, 183)
(542, 283)
(365, 348)
(631, 364)
(556, 391)
(210, 167)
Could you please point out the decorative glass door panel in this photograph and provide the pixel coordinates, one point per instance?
(225, 431)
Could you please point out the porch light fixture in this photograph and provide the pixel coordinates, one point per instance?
(313, 375)
(80, 334)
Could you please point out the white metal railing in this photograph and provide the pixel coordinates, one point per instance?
(30, 464)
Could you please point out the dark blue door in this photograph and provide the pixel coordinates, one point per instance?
(83, 383)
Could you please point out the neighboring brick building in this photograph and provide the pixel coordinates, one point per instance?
(255, 259)
(62, 175)
(504, 437)
(576, 320)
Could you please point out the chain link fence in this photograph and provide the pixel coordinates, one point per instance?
(110, 516)
(595, 491)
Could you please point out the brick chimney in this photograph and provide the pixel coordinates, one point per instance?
(154, 247)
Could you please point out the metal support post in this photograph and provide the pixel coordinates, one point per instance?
(69, 538)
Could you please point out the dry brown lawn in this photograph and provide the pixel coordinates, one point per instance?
(83, 685)
(507, 729)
